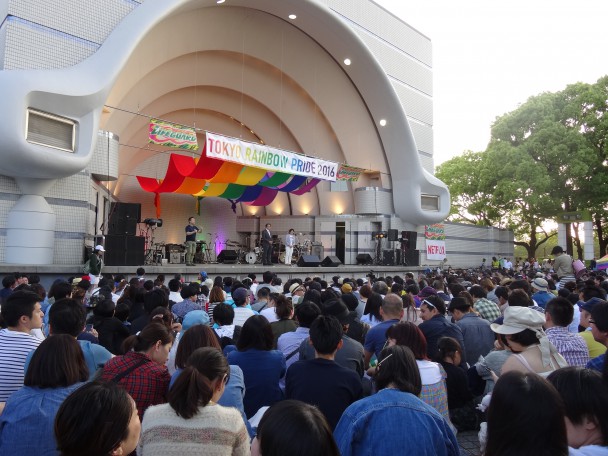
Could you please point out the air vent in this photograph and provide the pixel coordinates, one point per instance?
(429, 202)
(50, 130)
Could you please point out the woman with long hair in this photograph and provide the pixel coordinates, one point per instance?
(367, 426)
(371, 313)
(198, 425)
(432, 374)
(262, 366)
(525, 418)
(56, 369)
(98, 419)
(142, 370)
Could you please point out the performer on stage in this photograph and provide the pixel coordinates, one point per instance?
(290, 241)
(191, 230)
(267, 246)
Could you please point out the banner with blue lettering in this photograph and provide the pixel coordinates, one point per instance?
(269, 158)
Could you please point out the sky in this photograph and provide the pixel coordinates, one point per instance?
(491, 56)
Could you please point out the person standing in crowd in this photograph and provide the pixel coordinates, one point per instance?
(193, 413)
(142, 369)
(96, 264)
(562, 265)
(290, 242)
(267, 246)
(365, 426)
(191, 230)
(320, 381)
(21, 314)
(558, 315)
(26, 424)
(99, 418)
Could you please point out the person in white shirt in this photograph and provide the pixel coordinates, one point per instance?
(242, 311)
(22, 313)
(290, 241)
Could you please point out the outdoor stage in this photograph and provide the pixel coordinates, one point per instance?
(48, 273)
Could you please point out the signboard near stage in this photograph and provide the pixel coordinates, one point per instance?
(435, 241)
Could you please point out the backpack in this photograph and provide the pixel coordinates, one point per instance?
(579, 269)
(86, 267)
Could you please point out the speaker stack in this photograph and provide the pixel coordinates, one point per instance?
(123, 247)
(364, 258)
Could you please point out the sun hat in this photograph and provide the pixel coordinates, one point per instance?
(540, 284)
(193, 318)
(295, 287)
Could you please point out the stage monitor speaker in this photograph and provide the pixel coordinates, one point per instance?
(412, 258)
(318, 250)
(331, 262)
(388, 257)
(124, 218)
(124, 250)
(309, 260)
(393, 235)
(364, 258)
(227, 257)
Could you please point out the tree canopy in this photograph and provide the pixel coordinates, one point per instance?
(547, 156)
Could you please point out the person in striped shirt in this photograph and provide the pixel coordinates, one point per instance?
(21, 313)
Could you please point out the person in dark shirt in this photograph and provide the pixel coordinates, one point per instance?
(321, 381)
(111, 332)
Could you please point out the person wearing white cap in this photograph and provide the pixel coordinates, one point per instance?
(532, 351)
(542, 295)
(95, 264)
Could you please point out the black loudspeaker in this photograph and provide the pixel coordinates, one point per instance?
(309, 260)
(393, 235)
(364, 258)
(388, 257)
(398, 258)
(331, 262)
(124, 218)
(227, 257)
(124, 250)
(317, 250)
(412, 258)
(409, 238)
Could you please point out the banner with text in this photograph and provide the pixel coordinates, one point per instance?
(435, 241)
(349, 173)
(265, 157)
(171, 135)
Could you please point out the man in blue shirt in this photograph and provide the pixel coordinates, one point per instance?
(542, 295)
(375, 339)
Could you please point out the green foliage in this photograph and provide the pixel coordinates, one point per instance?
(547, 156)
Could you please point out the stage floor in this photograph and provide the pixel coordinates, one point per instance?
(190, 273)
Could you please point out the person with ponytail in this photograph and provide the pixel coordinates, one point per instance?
(142, 370)
(192, 423)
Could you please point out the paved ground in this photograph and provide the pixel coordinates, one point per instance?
(469, 443)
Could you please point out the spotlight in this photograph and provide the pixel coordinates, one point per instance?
(154, 222)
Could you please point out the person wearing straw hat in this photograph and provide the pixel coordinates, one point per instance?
(532, 351)
(542, 295)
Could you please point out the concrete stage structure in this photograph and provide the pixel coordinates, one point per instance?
(342, 80)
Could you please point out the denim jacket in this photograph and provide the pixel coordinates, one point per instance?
(392, 422)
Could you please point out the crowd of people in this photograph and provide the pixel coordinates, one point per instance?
(239, 366)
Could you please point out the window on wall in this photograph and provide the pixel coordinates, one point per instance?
(338, 186)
